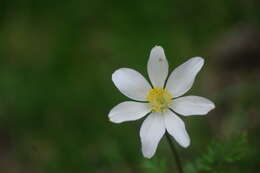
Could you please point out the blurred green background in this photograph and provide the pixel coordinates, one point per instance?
(56, 61)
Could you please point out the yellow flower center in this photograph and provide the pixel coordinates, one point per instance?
(159, 99)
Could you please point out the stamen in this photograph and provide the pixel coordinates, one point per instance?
(159, 99)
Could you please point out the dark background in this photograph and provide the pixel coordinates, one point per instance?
(56, 61)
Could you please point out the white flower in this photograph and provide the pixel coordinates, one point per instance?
(162, 100)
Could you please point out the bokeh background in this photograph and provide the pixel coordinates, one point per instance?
(56, 61)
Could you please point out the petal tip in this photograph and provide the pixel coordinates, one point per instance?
(111, 118)
(157, 48)
(186, 144)
(114, 120)
(213, 106)
(199, 59)
(147, 156)
(114, 74)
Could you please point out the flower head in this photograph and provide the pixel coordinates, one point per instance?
(161, 101)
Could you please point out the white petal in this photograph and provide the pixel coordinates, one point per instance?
(157, 67)
(176, 128)
(192, 105)
(131, 83)
(151, 132)
(128, 111)
(182, 78)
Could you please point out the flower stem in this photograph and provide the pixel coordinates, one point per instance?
(174, 152)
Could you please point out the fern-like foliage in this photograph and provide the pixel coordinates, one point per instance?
(221, 157)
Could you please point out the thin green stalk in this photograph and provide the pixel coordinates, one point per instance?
(174, 152)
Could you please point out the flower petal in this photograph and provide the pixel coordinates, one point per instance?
(192, 105)
(182, 78)
(176, 128)
(128, 111)
(151, 132)
(157, 67)
(131, 83)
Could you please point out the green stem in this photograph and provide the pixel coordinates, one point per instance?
(174, 152)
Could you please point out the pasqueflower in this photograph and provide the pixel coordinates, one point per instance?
(161, 102)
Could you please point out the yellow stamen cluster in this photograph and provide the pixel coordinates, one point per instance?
(159, 99)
